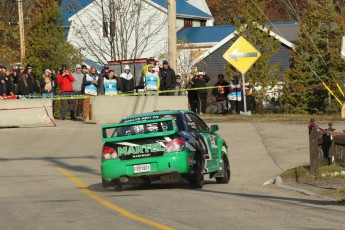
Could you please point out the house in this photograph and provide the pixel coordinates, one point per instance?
(213, 42)
(95, 29)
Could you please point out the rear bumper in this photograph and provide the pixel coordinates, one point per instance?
(178, 162)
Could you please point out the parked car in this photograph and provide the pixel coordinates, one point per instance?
(170, 146)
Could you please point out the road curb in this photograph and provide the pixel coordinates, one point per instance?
(279, 183)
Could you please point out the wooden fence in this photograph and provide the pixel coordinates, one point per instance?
(325, 146)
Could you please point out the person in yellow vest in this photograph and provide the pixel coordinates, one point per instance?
(151, 81)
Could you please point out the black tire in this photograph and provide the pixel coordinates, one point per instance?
(226, 168)
(117, 186)
(197, 180)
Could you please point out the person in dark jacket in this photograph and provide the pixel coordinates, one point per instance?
(24, 84)
(193, 99)
(126, 81)
(32, 79)
(167, 79)
(200, 82)
(221, 95)
(9, 90)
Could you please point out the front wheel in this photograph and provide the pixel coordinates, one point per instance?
(226, 168)
(197, 180)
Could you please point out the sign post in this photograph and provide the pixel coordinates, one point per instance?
(242, 55)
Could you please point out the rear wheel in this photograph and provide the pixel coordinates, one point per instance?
(197, 180)
(226, 167)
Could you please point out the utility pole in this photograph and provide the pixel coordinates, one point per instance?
(172, 41)
(21, 30)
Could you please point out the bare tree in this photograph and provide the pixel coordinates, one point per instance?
(119, 29)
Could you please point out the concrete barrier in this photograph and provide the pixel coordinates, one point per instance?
(26, 113)
(107, 109)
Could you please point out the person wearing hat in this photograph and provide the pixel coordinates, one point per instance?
(150, 61)
(77, 85)
(109, 84)
(168, 79)
(235, 93)
(48, 84)
(126, 81)
(221, 95)
(105, 70)
(30, 77)
(151, 81)
(65, 79)
(25, 85)
(201, 79)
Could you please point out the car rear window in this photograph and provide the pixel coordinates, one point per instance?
(130, 130)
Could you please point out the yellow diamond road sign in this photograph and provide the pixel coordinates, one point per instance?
(242, 55)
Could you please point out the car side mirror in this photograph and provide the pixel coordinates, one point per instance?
(214, 128)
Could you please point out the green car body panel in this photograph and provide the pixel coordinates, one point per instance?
(151, 145)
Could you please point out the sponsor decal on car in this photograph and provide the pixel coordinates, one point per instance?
(140, 149)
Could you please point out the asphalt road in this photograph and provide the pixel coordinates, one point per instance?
(50, 179)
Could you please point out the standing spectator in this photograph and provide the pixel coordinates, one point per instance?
(9, 89)
(221, 95)
(109, 84)
(178, 86)
(48, 84)
(65, 79)
(156, 67)
(2, 81)
(15, 78)
(193, 99)
(77, 84)
(127, 81)
(168, 79)
(104, 71)
(151, 81)
(91, 87)
(24, 84)
(200, 81)
(150, 61)
(235, 93)
(30, 77)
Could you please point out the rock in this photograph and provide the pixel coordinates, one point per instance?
(323, 174)
(336, 173)
(268, 182)
(342, 173)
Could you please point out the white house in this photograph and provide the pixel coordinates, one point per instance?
(108, 30)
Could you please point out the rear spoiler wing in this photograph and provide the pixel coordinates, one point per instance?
(108, 130)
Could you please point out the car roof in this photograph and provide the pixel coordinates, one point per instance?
(156, 113)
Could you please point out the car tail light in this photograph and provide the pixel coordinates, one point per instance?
(109, 153)
(176, 145)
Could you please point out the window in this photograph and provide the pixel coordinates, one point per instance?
(194, 123)
(203, 23)
(188, 22)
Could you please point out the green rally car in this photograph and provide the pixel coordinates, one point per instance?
(170, 146)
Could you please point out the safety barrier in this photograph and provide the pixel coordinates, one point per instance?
(112, 109)
(325, 146)
(26, 113)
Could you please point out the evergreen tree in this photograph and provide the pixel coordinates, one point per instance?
(47, 47)
(316, 58)
(250, 24)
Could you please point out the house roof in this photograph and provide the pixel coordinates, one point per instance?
(279, 31)
(205, 34)
(184, 9)
(211, 34)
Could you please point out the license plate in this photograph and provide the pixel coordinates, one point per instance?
(142, 168)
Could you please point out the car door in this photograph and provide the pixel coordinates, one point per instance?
(207, 139)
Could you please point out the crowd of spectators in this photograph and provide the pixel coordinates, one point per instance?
(156, 80)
